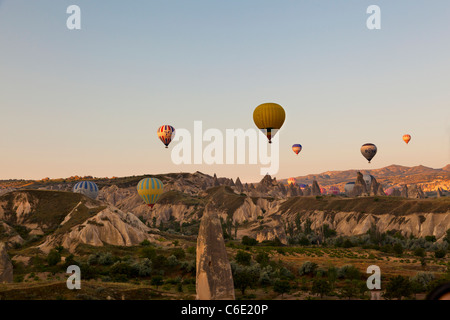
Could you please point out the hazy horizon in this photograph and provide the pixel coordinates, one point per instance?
(89, 102)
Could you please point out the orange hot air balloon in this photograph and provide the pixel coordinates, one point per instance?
(406, 138)
(291, 181)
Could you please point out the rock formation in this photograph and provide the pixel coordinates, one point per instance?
(238, 185)
(292, 191)
(360, 187)
(373, 189)
(214, 277)
(307, 191)
(381, 190)
(299, 191)
(439, 193)
(404, 192)
(6, 267)
(216, 181)
(315, 189)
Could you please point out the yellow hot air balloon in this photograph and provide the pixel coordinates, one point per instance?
(269, 117)
(150, 189)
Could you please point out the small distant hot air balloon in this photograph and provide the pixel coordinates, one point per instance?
(269, 117)
(166, 133)
(297, 148)
(291, 181)
(369, 150)
(88, 188)
(302, 185)
(406, 138)
(389, 191)
(323, 190)
(349, 186)
(334, 190)
(150, 189)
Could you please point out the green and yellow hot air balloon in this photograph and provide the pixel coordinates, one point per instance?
(269, 117)
(150, 189)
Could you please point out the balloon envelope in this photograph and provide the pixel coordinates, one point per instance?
(334, 190)
(406, 138)
(349, 187)
(291, 181)
(323, 190)
(269, 117)
(369, 150)
(389, 191)
(297, 148)
(166, 133)
(150, 189)
(88, 188)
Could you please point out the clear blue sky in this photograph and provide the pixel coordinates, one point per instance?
(89, 102)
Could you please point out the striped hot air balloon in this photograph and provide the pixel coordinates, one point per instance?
(88, 188)
(150, 189)
(334, 190)
(406, 138)
(297, 148)
(292, 181)
(389, 191)
(166, 133)
(269, 117)
(323, 190)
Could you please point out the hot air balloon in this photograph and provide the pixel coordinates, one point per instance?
(291, 181)
(334, 190)
(389, 191)
(297, 148)
(323, 190)
(349, 186)
(88, 188)
(302, 185)
(269, 117)
(150, 189)
(406, 138)
(166, 133)
(369, 150)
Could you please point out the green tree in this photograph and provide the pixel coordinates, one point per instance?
(243, 258)
(157, 281)
(53, 257)
(398, 287)
(419, 252)
(282, 287)
(349, 289)
(321, 287)
(248, 241)
(262, 258)
(332, 274)
(398, 249)
(244, 277)
(440, 253)
(307, 267)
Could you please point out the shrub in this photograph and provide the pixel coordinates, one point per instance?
(398, 248)
(243, 258)
(307, 267)
(440, 253)
(262, 258)
(179, 253)
(248, 241)
(349, 272)
(144, 267)
(53, 258)
(420, 252)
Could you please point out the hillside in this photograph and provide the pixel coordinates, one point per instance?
(394, 175)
